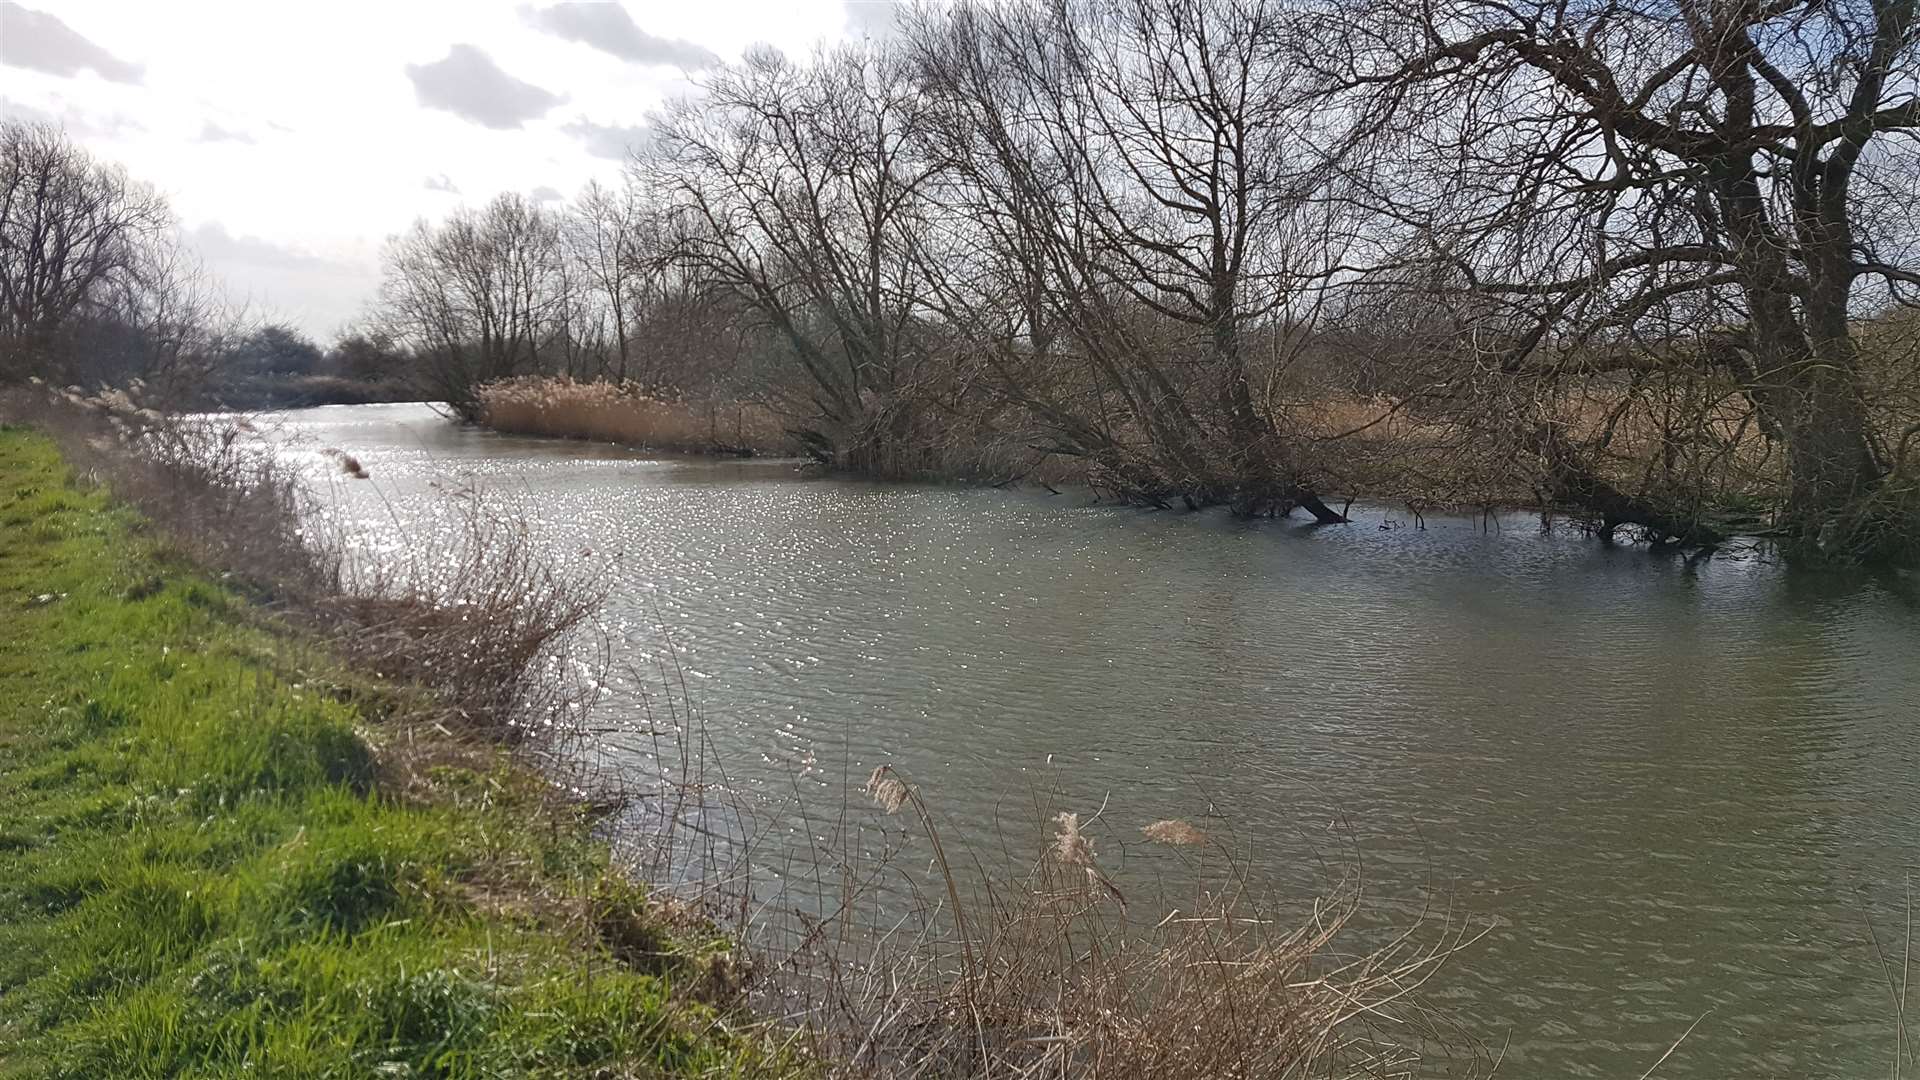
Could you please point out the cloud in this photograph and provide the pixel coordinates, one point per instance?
(443, 182)
(608, 27)
(215, 242)
(318, 294)
(75, 122)
(545, 194)
(471, 86)
(36, 40)
(870, 18)
(213, 132)
(606, 141)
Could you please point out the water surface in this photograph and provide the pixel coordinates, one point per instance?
(1675, 791)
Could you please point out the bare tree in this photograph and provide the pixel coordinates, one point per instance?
(76, 236)
(475, 296)
(1673, 198)
(609, 239)
(1137, 174)
(799, 190)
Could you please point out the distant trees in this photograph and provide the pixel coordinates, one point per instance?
(367, 356)
(274, 349)
(474, 296)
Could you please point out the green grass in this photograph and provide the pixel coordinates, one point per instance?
(201, 874)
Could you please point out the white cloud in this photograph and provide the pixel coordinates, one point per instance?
(40, 41)
(469, 84)
(212, 132)
(870, 18)
(608, 27)
(612, 141)
(277, 282)
(78, 124)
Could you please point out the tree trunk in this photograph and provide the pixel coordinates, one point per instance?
(1573, 484)
(1831, 463)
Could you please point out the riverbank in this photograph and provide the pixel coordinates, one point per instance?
(1388, 457)
(227, 851)
(238, 849)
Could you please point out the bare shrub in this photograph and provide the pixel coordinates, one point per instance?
(490, 628)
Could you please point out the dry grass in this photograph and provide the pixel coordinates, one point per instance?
(1047, 970)
(1693, 445)
(895, 952)
(611, 412)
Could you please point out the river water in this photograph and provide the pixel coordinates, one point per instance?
(1678, 794)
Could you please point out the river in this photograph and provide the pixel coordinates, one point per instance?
(1675, 792)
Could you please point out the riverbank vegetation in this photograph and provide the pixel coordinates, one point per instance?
(229, 850)
(626, 413)
(1643, 267)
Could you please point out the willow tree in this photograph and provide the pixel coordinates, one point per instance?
(1686, 194)
(798, 189)
(1135, 177)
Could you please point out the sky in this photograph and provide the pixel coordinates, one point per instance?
(293, 138)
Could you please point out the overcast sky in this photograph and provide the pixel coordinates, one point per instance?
(293, 138)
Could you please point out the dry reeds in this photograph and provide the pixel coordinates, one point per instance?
(622, 413)
(203, 482)
(1043, 972)
(985, 964)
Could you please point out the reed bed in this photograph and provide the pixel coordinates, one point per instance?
(559, 407)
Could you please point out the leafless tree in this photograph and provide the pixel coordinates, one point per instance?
(799, 190)
(1693, 202)
(1136, 175)
(76, 236)
(475, 296)
(616, 246)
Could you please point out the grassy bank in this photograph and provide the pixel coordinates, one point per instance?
(225, 853)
